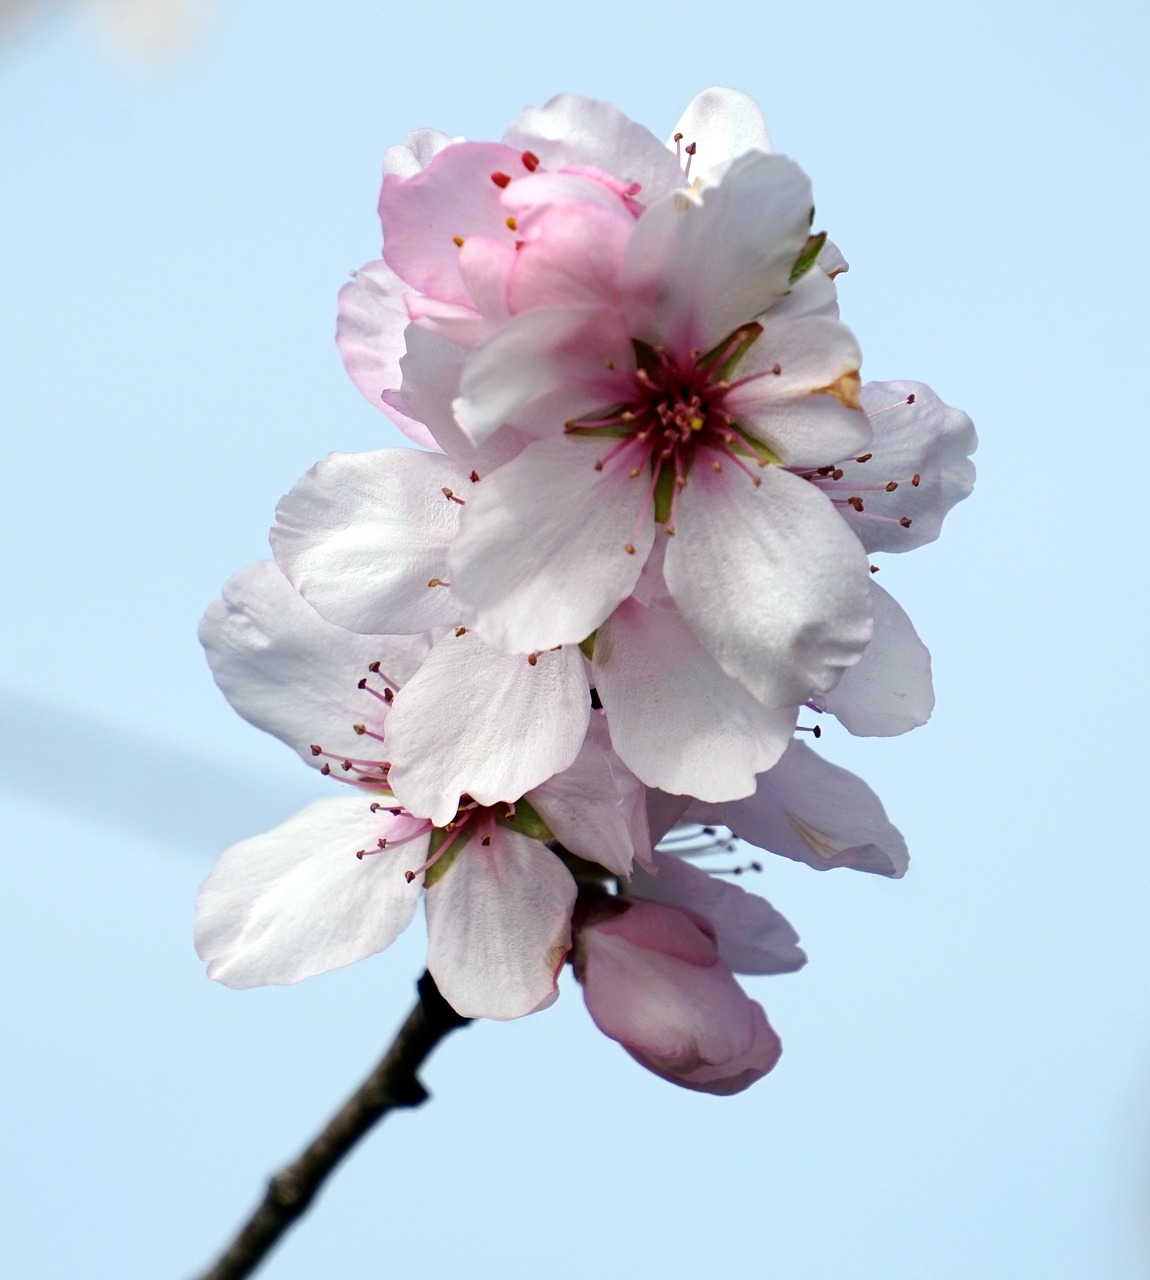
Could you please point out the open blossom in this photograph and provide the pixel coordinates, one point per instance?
(658, 975)
(341, 879)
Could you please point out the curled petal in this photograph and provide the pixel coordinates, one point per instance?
(297, 901)
(889, 690)
(812, 811)
(499, 926)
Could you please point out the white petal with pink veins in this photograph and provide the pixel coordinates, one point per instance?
(297, 901)
(751, 935)
(571, 130)
(362, 534)
(499, 925)
(541, 557)
(677, 719)
(889, 691)
(595, 808)
(722, 124)
(370, 335)
(771, 579)
(701, 264)
(812, 811)
(291, 673)
(489, 724)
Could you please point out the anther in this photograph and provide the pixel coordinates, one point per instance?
(874, 568)
(486, 840)
(866, 457)
(347, 766)
(511, 224)
(450, 496)
(361, 729)
(910, 398)
(381, 842)
(691, 148)
(409, 876)
(916, 479)
(630, 550)
(474, 477)
(905, 522)
(837, 473)
(530, 161)
(316, 750)
(325, 769)
(892, 486)
(458, 241)
(857, 503)
(633, 473)
(532, 659)
(677, 138)
(373, 667)
(501, 179)
(460, 631)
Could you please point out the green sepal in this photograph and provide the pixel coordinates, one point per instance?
(806, 259)
(763, 452)
(646, 357)
(750, 333)
(664, 493)
(439, 868)
(587, 644)
(527, 822)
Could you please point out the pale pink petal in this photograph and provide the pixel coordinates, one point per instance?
(363, 534)
(489, 724)
(925, 438)
(722, 124)
(431, 370)
(699, 265)
(535, 196)
(771, 579)
(499, 925)
(425, 215)
(831, 260)
(370, 335)
(574, 257)
(291, 673)
(751, 935)
(653, 982)
(677, 719)
(544, 367)
(664, 811)
(297, 901)
(812, 811)
(571, 130)
(595, 807)
(889, 691)
(541, 557)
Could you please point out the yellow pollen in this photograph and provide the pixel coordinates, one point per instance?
(512, 225)
(458, 241)
(697, 423)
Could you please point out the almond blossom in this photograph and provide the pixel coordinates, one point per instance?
(341, 879)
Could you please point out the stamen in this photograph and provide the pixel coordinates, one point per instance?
(501, 179)
(450, 496)
(458, 241)
(530, 161)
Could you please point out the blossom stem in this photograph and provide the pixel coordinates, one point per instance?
(391, 1085)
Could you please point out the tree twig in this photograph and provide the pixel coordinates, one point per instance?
(392, 1084)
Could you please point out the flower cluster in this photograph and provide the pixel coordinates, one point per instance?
(549, 652)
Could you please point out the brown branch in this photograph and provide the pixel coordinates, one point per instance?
(392, 1084)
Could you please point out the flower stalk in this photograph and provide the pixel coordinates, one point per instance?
(392, 1085)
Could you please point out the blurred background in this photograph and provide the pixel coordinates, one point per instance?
(966, 1084)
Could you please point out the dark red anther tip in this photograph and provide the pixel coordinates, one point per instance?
(530, 161)
(316, 750)
(910, 398)
(501, 179)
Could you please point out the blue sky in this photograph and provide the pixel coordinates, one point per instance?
(966, 1083)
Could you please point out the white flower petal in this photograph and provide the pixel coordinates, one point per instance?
(677, 719)
(541, 557)
(362, 534)
(489, 724)
(889, 690)
(699, 265)
(297, 901)
(291, 673)
(771, 579)
(499, 926)
(722, 124)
